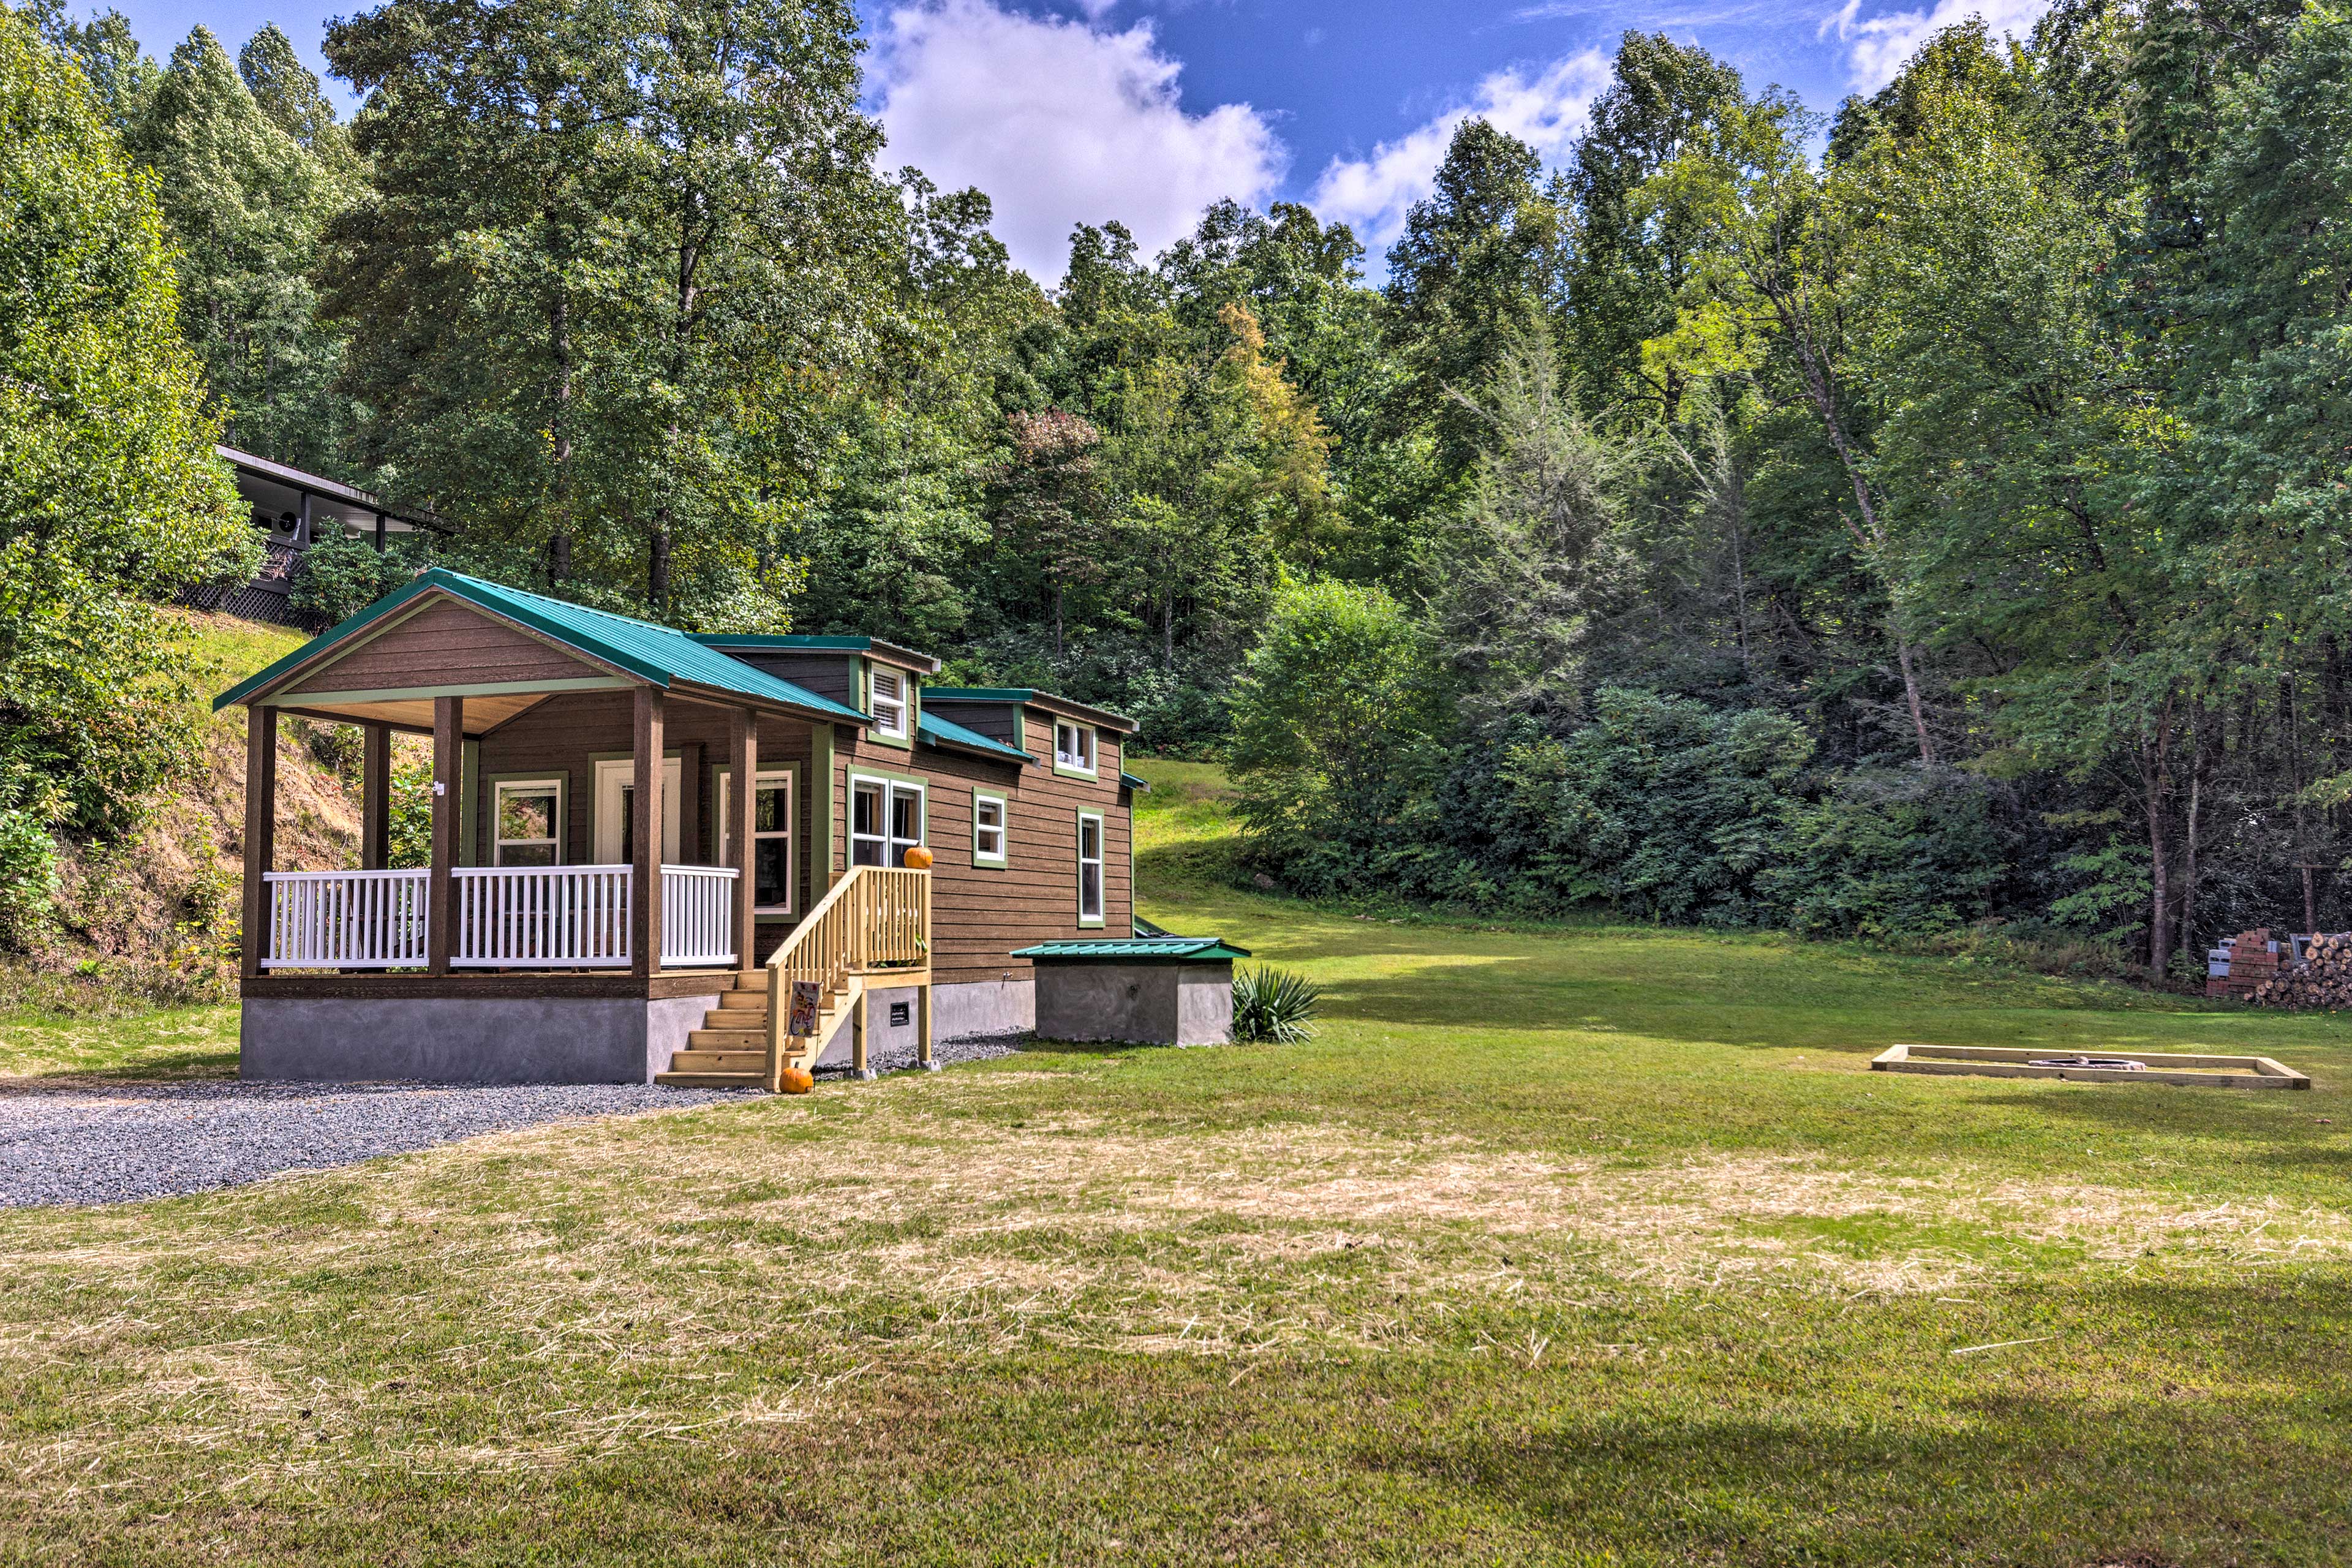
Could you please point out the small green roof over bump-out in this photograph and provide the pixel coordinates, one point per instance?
(1135, 950)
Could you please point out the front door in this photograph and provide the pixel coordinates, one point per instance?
(616, 793)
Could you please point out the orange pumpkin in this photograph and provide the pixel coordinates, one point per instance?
(798, 1080)
(918, 859)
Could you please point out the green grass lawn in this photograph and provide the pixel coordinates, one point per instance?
(1576, 1245)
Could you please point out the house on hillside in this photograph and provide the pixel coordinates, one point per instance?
(690, 858)
(292, 510)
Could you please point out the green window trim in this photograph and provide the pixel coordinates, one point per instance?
(560, 778)
(1102, 876)
(1002, 859)
(820, 855)
(858, 771)
(1092, 747)
(910, 704)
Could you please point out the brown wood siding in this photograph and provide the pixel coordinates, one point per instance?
(570, 730)
(980, 914)
(993, 719)
(822, 671)
(450, 644)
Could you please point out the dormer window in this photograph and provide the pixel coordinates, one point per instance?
(888, 703)
(1074, 747)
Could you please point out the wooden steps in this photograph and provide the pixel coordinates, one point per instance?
(871, 928)
(730, 1050)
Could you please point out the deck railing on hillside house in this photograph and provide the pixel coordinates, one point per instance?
(508, 917)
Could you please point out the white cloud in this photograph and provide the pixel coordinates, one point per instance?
(1061, 123)
(1877, 48)
(1547, 109)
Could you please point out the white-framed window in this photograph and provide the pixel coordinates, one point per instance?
(1074, 746)
(886, 699)
(885, 820)
(771, 839)
(991, 830)
(530, 823)
(1090, 868)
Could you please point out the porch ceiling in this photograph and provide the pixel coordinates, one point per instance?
(482, 713)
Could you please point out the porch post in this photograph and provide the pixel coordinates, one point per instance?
(375, 797)
(644, 828)
(260, 834)
(742, 814)
(448, 783)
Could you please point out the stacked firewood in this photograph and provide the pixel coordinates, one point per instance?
(2322, 979)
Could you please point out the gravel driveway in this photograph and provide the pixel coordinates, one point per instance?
(95, 1143)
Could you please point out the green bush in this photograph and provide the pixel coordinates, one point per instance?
(28, 878)
(1273, 1006)
(340, 576)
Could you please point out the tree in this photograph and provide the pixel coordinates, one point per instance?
(621, 264)
(245, 202)
(1465, 281)
(286, 92)
(1779, 234)
(1534, 562)
(487, 273)
(119, 72)
(1049, 507)
(1332, 718)
(1631, 256)
(109, 495)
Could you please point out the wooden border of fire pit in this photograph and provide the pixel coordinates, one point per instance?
(2007, 1061)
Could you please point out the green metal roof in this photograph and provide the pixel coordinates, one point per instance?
(1087, 712)
(655, 654)
(780, 639)
(809, 642)
(941, 731)
(1131, 781)
(985, 693)
(1139, 949)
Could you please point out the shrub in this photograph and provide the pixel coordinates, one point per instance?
(1889, 852)
(28, 878)
(1273, 1006)
(340, 576)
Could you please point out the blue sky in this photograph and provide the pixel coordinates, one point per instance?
(1145, 111)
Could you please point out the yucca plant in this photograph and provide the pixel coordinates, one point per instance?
(1273, 1006)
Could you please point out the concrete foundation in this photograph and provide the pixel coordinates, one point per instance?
(979, 1008)
(445, 1039)
(1150, 1003)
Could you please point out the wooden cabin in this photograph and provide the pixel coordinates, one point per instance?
(605, 896)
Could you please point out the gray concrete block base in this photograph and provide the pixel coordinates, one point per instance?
(444, 1039)
(1148, 1004)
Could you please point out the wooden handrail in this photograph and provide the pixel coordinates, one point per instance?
(875, 917)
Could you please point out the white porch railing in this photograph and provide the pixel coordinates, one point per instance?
(508, 917)
(698, 915)
(542, 916)
(345, 920)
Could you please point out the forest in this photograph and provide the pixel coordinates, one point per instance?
(1928, 518)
